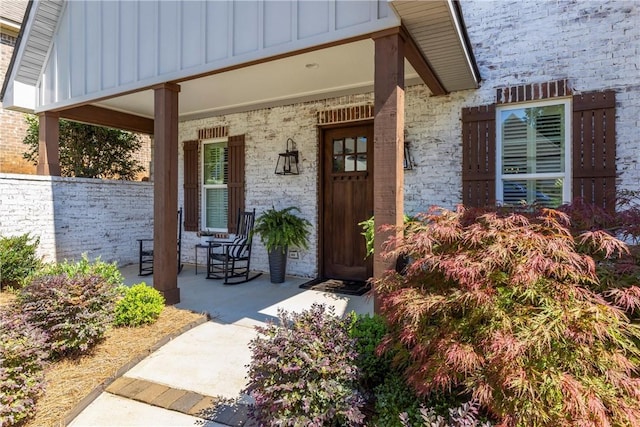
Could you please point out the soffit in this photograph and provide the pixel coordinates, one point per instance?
(43, 22)
(438, 30)
(13, 10)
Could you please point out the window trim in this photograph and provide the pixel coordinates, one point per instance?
(567, 175)
(204, 187)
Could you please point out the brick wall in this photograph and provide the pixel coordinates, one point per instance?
(76, 215)
(13, 126)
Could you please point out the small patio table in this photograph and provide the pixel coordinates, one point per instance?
(205, 246)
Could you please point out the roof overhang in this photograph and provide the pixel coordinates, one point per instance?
(434, 30)
(438, 30)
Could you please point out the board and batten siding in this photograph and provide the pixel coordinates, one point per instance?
(106, 47)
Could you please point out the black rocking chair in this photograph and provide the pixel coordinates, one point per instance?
(230, 260)
(145, 260)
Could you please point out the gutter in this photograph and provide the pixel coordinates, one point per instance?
(457, 9)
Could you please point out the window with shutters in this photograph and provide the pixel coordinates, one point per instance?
(533, 147)
(215, 176)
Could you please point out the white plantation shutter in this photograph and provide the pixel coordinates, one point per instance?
(533, 159)
(515, 145)
(549, 141)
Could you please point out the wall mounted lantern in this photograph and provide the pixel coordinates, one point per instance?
(408, 159)
(288, 161)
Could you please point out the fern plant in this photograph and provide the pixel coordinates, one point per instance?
(279, 229)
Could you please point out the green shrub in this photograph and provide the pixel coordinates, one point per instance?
(368, 332)
(303, 373)
(504, 307)
(17, 259)
(21, 368)
(109, 272)
(369, 230)
(140, 305)
(465, 415)
(392, 398)
(74, 311)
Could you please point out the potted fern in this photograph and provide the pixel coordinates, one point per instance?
(279, 229)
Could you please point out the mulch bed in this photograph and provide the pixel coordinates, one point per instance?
(69, 381)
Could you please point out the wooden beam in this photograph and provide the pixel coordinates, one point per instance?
(165, 192)
(99, 116)
(419, 63)
(388, 140)
(48, 144)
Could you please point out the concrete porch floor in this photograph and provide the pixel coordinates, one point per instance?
(251, 303)
(207, 361)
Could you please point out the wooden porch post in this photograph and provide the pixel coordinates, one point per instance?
(388, 139)
(165, 192)
(48, 144)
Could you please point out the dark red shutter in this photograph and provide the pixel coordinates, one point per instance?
(479, 156)
(235, 180)
(594, 148)
(191, 185)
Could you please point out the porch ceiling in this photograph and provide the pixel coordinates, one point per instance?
(334, 71)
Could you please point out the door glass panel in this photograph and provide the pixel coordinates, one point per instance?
(362, 162)
(338, 164)
(350, 154)
(362, 144)
(350, 163)
(350, 146)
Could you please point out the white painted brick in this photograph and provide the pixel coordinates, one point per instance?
(74, 216)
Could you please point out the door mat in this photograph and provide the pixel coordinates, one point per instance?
(347, 287)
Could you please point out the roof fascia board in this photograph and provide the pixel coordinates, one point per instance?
(458, 19)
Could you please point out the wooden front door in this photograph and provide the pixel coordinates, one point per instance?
(347, 199)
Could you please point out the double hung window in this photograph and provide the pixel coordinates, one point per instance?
(533, 153)
(215, 174)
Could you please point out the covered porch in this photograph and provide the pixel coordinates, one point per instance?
(176, 64)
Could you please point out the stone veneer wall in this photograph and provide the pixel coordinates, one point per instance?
(77, 215)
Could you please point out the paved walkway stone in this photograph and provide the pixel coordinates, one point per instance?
(187, 402)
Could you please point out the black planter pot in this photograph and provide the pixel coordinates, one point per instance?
(277, 264)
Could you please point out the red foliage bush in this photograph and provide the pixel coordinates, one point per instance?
(506, 308)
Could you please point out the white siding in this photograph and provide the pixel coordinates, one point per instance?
(105, 47)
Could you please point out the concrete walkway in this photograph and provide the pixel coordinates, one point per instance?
(197, 379)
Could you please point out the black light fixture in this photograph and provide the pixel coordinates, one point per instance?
(408, 158)
(288, 161)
